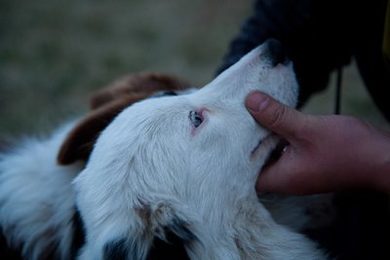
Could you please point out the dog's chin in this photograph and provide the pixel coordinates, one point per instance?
(270, 148)
(264, 146)
(275, 153)
(256, 148)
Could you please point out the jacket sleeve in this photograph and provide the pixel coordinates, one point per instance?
(303, 27)
(271, 19)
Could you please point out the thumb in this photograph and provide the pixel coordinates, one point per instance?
(273, 115)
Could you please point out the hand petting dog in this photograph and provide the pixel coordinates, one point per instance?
(325, 153)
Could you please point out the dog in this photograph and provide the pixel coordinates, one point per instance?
(181, 166)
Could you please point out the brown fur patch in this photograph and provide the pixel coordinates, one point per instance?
(106, 104)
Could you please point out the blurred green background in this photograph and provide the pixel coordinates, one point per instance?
(54, 53)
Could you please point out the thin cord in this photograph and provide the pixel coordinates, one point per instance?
(339, 79)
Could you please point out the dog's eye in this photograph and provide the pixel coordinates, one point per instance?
(195, 118)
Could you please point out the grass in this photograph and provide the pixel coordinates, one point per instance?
(54, 53)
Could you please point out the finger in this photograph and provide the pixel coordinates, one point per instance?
(275, 177)
(273, 115)
(286, 176)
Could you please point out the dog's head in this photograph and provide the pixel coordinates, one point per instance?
(182, 159)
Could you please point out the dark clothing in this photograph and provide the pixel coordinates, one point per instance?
(321, 36)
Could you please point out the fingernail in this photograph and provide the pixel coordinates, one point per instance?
(256, 101)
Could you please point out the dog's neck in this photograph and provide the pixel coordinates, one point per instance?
(247, 231)
(212, 227)
(240, 232)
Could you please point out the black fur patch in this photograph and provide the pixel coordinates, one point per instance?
(7, 252)
(181, 229)
(117, 249)
(122, 249)
(172, 248)
(78, 234)
(169, 93)
(177, 235)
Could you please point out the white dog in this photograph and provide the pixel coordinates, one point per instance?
(184, 164)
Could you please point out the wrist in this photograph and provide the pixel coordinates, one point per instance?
(382, 180)
(381, 169)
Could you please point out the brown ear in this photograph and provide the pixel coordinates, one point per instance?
(147, 82)
(80, 140)
(106, 104)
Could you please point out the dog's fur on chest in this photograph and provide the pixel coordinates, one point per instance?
(181, 165)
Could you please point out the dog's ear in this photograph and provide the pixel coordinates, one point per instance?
(106, 104)
(80, 140)
(147, 83)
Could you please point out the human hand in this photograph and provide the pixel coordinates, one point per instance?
(324, 153)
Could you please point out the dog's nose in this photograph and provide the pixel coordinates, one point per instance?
(275, 52)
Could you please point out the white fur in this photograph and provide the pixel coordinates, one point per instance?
(36, 197)
(152, 160)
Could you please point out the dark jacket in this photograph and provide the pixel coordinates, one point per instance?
(320, 36)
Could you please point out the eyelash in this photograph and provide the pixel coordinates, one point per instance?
(196, 118)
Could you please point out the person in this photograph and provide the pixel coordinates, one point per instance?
(325, 153)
